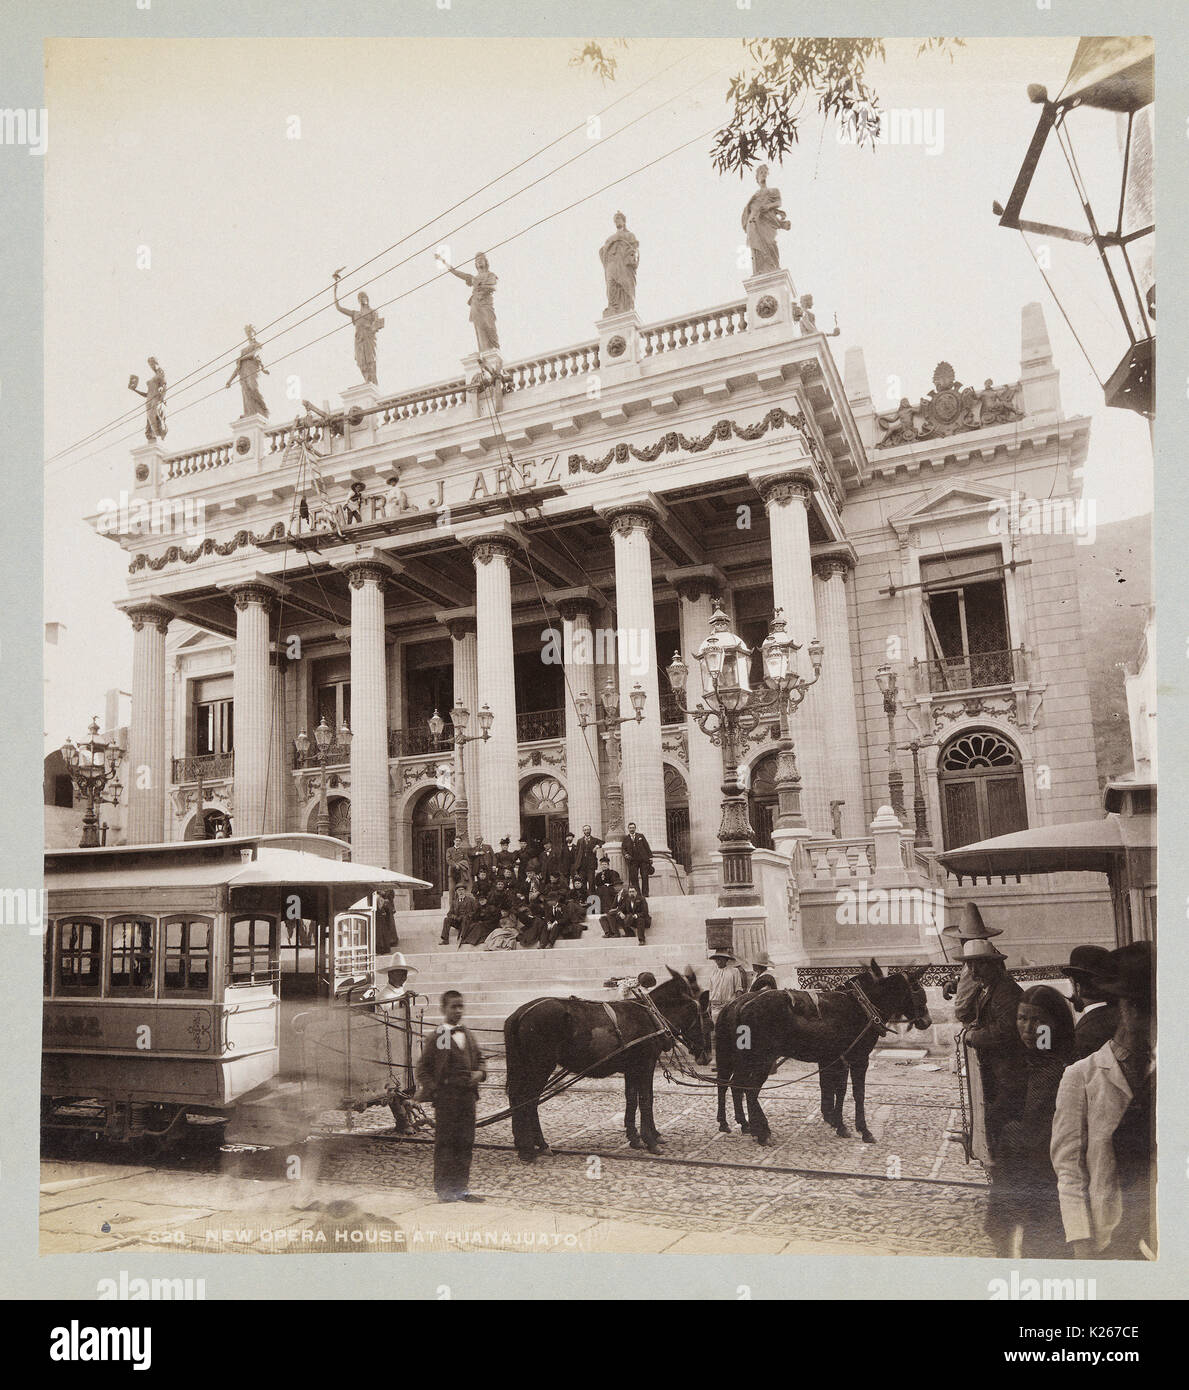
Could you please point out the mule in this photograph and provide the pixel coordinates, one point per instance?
(585, 1036)
(756, 1031)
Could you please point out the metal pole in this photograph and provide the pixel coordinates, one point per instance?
(734, 831)
(895, 777)
(323, 823)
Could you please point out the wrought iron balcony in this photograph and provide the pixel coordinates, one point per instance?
(974, 671)
(336, 754)
(540, 724)
(417, 742)
(213, 767)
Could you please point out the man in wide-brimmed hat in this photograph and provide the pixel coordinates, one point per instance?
(1099, 1015)
(762, 973)
(993, 1034)
(964, 990)
(726, 980)
(1104, 1130)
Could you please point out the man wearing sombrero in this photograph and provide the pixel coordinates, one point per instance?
(1104, 1129)
(964, 990)
(993, 1033)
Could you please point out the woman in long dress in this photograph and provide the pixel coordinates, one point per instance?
(763, 217)
(620, 255)
(248, 367)
(482, 301)
(367, 323)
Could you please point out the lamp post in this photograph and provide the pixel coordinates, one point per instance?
(919, 813)
(1100, 129)
(323, 739)
(458, 855)
(732, 711)
(885, 678)
(94, 770)
(609, 727)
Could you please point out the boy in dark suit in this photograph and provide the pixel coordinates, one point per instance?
(448, 1074)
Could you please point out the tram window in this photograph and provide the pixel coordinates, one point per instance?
(79, 955)
(187, 943)
(253, 950)
(132, 956)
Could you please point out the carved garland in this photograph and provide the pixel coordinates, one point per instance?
(673, 441)
(172, 554)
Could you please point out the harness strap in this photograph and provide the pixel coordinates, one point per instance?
(875, 1018)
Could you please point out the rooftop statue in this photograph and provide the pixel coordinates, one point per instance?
(482, 315)
(367, 323)
(154, 401)
(248, 367)
(803, 314)
(763, 217)
(620, 255)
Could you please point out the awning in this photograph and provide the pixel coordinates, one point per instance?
(1078, 846)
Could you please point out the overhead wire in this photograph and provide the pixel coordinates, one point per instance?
(220, 359)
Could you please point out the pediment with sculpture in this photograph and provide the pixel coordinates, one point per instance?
(949, 408)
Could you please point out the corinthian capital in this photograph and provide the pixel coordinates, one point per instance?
(631, 519)
(245, 594)
(154, 613)
(485, 549)
(783, 491)
(826, 566)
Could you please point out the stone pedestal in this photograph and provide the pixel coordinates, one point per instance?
(481, 399)
(249, 428)
(148, 468)
(360, 428)
(887, 833)
(770, 300)
(744, 929)
(619, 343)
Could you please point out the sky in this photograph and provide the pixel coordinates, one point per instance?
(193, 186)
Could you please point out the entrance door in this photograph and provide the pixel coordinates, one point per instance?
(433, 835)
(544, 812)
(762, 801)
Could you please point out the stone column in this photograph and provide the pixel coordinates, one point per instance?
(583, 786)
(643, 774)
(698, 589)
(145, 774)
(462, 627)
(369, 713)
(499, 781)
(787, 498)
(279, 745)
(252, 690)
(835, 692)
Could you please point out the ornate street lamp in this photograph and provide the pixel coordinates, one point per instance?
(458, 856)
(609, 727)
(885, 678)
(919, 813)
(94, 768)
(731, 712)
(324, 741)
(1088, 179)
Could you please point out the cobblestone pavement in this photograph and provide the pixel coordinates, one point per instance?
(345, 1193)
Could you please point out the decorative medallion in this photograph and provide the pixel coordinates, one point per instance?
(142, 472)
(766, 306)
(617, 346)
(243, 445)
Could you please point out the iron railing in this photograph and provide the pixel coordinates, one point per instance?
(213, 767)
(412, 743)
(540, 724)
(337, 753)
(973, 671)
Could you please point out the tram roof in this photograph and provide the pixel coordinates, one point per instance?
(241, 861)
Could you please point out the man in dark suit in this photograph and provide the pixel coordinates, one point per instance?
(482, 857)
(630, 916)
(448, 1074)
(637, 855)
(565, 857)
(1099, 1016)
(586, 856)
(550, 861)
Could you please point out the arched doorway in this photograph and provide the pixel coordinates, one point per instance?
(677, 816)
(981, 783)
(212, 824)
(762, 801)
(544, 810)
(433, 835)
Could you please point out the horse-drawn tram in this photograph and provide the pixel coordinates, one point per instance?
(183, 980)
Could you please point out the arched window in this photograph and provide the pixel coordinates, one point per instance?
(982, 788)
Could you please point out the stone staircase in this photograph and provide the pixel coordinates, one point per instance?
(496, 982)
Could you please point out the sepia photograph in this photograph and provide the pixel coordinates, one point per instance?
(599, 651)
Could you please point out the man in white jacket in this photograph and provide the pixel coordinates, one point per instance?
(1103, 1143)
